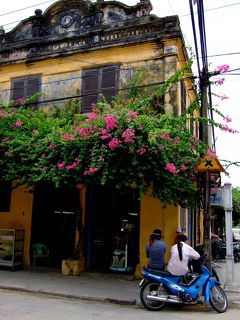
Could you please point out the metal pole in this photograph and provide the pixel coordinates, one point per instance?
(227, 198)
(205, 139)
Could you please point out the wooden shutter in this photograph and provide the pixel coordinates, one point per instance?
(98, 81)
(24, 87)
(32, 86)
(17, 89)
(109, 82)
(89, 89)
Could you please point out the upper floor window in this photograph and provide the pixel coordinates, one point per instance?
(97, 82)
(25, 87)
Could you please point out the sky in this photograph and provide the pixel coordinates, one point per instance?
(222, 22)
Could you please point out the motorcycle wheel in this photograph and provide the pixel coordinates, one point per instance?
(218, 299)
(154, 289)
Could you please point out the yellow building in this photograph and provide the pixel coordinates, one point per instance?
(78, 49)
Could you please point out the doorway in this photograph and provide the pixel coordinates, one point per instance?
(54, 221)
(111, 215)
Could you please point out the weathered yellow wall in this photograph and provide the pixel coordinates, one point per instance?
(68, 69)
(154, 216)
(19, 217)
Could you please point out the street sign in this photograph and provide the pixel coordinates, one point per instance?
(209, 163)
(217, 200)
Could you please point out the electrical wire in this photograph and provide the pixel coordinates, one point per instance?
(35, 5)
(95, 93)
(213, 9)
(86, 76)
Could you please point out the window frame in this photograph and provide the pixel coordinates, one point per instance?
(98, 88)
(26, 92)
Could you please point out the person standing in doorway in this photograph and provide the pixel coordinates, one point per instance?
(155, 251)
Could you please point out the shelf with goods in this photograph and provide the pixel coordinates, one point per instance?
(11, 247)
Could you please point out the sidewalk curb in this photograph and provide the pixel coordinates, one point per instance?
(71, 296)
(130, 302)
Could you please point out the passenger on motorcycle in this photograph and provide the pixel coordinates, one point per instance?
(155, 251)
(181, 254)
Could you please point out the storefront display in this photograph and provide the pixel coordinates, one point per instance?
(11, 247)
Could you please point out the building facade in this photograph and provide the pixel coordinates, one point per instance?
(80, 50)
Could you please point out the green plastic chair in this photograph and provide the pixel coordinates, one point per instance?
(40, 251)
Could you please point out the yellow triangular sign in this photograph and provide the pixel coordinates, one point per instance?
(209, 163)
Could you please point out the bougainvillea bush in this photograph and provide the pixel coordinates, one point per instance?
(127, 144)
(130, 143)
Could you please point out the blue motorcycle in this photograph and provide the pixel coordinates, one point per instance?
(159, 288)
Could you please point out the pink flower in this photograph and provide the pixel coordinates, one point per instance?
(114, 143)
(111, 121)
(225, 127)
(91, 170)
(219, 81)
(171, 168)
(211, 153)
(84, 131)
(223, 68)
(20, 100)
(43, 155)
(68, 136)
(141, 151)
(18, 123)
(106, 136)
(52, 146)
(73, 165)
(184, 168)
(176, 139)
(165, 136)
(228, 119)
(92, 116)
(61, 165)
(128, 135)
(224, 97)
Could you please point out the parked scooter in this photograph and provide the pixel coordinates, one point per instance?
(236, 252)
(219, 250)
(159, 288)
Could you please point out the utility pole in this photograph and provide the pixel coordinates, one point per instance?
(204, 135)
(204, 84)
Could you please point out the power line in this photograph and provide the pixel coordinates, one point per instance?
(118, 68)
(212, 9)
(94, 94)
(35, 5)
(84, 77)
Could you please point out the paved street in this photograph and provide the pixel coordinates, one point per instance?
(25, 306)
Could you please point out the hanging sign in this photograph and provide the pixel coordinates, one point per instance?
(209, 163)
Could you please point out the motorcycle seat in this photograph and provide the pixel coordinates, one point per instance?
(159, 273)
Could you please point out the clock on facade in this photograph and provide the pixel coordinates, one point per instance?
(66, 20)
